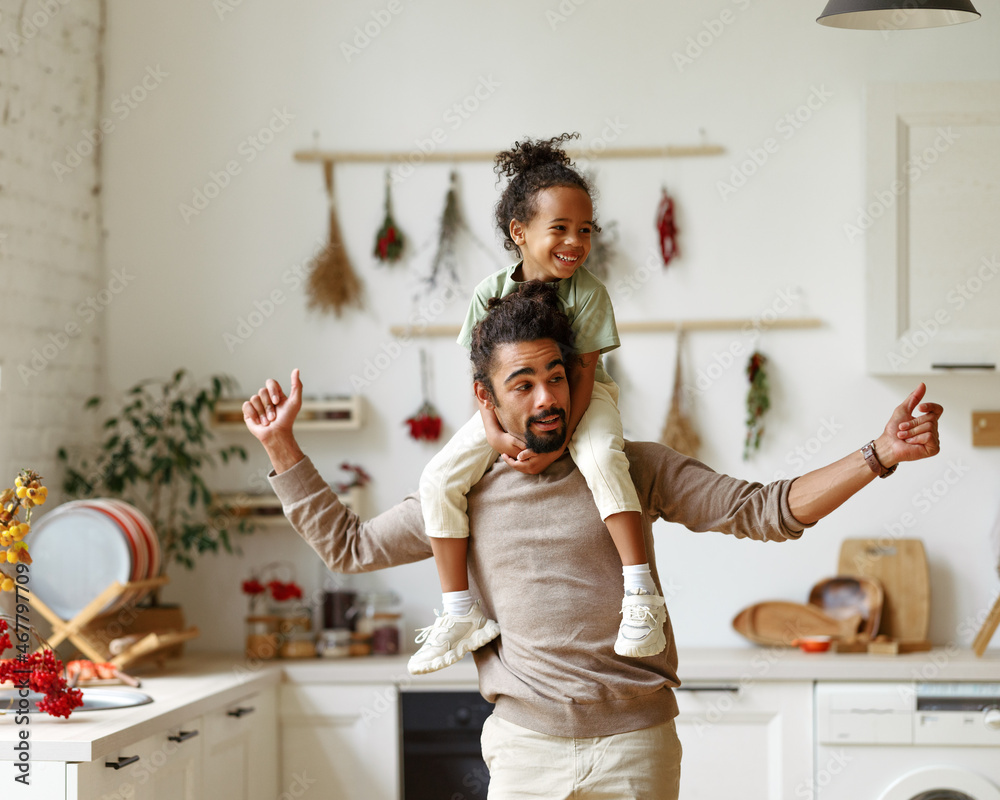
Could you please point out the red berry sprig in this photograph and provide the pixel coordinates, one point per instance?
(45, 676)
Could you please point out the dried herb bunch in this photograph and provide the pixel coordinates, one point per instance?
(333, 285)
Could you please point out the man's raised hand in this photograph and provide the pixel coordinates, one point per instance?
(270, 412)
(912, 438)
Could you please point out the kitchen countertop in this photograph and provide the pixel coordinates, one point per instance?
(201, 682)
(186, 688)
(695, 665)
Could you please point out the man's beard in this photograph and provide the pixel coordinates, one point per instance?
(549, 441)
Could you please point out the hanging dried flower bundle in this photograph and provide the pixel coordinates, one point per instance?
(758, 402)
(602, 249)
(426, 423)
(445, 259)
(389, 240)
(666, 228)
(333, 285)
(678, 431)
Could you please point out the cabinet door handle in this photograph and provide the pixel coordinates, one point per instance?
(123, 761)
(239, 712)
(182, 736)
(708, 688)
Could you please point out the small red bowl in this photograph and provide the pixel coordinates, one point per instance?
(813, 644)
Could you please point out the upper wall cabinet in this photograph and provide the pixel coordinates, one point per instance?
(932, 224)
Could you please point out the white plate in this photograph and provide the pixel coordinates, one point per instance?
(76, 553)
(94, 699)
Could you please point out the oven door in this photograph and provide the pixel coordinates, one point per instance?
(442, 757)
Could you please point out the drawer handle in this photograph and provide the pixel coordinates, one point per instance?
(239, 712)
(123, 761)
(717, 688)
(182, 736)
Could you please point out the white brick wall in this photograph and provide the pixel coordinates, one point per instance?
(50, 238)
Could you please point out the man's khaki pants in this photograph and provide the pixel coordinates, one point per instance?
(638, 765)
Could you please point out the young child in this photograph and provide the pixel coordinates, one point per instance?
(546, 214)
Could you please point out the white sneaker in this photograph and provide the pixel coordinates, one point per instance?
(641, 632)
(451, 637)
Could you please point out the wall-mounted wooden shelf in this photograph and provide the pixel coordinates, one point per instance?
(332, 414)
(648, 326)
(265, 509)
(389, 157)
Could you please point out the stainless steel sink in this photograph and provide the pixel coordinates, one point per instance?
(95, 698)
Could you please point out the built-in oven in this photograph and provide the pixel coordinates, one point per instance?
(442, 759)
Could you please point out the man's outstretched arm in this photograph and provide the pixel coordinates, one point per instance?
(343, 541)
(905, 438)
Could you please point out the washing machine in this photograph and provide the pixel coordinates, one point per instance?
(906, 741)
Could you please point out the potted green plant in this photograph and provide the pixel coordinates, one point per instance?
(153, 454)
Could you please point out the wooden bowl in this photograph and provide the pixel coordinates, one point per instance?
(844, 596)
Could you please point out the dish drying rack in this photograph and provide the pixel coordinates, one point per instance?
(88, 628)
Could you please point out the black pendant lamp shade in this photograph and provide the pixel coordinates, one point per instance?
(878, 16)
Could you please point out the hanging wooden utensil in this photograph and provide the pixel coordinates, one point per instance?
(332, 282)
(678, 431)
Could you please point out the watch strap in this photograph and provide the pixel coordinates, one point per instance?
(868, 451)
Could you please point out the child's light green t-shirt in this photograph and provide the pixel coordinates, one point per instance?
(583, 298)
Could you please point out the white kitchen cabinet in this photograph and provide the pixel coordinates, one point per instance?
(229, 752)
(929, 224)
(760, 732)
(344, 738)
(240, 747)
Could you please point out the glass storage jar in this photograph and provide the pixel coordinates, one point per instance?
(378, 618)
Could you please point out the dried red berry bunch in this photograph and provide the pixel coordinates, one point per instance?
(45, 676)
(426, 423)
(284, 591)
(358, 477)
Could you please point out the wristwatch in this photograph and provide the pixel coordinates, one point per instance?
(868, 451)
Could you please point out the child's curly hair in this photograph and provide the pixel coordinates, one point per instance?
(532, 166)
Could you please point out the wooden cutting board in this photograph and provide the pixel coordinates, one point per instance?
(778, 622)
(900, 565)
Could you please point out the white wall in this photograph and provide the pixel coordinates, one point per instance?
(50, 243)
(223, 75)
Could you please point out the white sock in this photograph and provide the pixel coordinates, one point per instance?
(638, 577)
(457, 603)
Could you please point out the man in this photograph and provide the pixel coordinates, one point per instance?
(571, 719)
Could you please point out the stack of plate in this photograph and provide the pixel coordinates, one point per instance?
(81, 547)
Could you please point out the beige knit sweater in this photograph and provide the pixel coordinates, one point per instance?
(546, 569)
